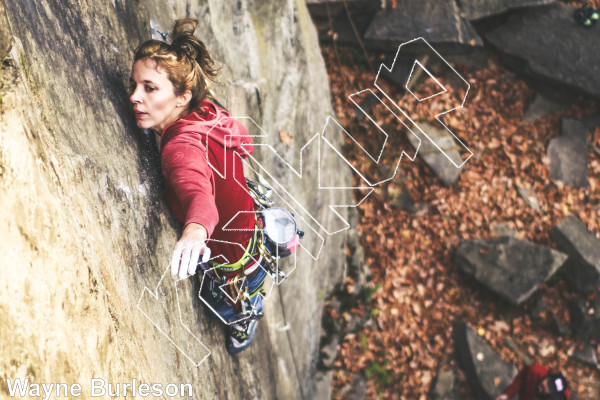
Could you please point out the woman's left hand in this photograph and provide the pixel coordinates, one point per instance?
(187, 251)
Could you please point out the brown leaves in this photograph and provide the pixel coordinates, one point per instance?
(410, 254)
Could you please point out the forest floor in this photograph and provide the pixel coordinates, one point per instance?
(417, 291)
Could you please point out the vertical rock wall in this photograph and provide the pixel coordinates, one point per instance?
(85, 227)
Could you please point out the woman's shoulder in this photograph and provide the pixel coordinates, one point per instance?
(200, 120)
(205, 114)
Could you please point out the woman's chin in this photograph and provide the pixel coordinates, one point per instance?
(143, 124)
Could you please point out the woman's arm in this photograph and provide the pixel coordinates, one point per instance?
(190, 180)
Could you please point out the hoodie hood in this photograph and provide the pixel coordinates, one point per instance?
(216, 123)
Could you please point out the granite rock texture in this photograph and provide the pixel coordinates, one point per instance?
(86, 229)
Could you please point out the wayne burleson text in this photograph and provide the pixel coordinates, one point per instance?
(98, 388)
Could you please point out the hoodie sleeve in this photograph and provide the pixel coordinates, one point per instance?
(191, 180)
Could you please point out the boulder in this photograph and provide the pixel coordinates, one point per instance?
(541, 106)
(586, 354)
(585, 319)
(476, 9)
(403, 201)
(582, 268)
(487, 373)
(445, 385)
(578, 314)
(437, 21)
(543, 42)
(431, 154)
(502, 229)
(357, 390)
(591, 122)
(529, 196)
(568, 154)
(538, 310)
(509, 267)
(558, 327)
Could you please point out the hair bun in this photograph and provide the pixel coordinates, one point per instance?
(189, 50)
(184, 39)
(184, 27)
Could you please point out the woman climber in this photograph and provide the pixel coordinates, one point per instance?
(204, 181)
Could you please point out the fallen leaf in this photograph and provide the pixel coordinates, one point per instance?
(286, 138)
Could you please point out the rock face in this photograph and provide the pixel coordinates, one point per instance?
(437, 21)
(86, 229)
(343, 301)
(511, 268)
(568, 154)
(544, 41)
(487, 373)
(476, 9)
(583, 248)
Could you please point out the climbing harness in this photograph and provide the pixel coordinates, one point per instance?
(587, 15)
(275, 236)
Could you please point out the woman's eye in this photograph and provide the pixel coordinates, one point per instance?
(150, 89)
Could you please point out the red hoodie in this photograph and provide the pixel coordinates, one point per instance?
(194, 191)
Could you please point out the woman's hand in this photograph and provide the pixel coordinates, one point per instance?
(502, 397)
(187, 251)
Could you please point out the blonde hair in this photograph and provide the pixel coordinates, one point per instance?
(186, 60)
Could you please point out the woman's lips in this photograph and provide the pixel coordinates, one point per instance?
(139, 114)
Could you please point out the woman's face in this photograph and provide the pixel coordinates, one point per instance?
(153, 96)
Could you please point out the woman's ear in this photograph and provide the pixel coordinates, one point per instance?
(183, 100)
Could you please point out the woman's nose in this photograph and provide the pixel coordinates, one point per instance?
(135, 97)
